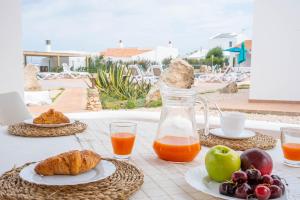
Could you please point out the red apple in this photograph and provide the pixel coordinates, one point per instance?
(258, 159)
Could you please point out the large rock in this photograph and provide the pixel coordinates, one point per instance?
(230, 88)
(153, 94)
(30, 80)
(179, 74)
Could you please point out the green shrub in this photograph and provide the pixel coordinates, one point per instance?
(156, 103)
(57, 69)
(118, 83)
(131, 103)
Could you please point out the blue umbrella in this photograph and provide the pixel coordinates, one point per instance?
(242, 52)
(234, 50)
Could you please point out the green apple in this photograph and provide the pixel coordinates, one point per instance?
(220, 162)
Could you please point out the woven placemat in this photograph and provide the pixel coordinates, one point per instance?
(261, 141)
(27, 130)
(121, 185)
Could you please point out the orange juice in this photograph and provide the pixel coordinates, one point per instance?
(122, 143)
(291, 151)
(177, 149)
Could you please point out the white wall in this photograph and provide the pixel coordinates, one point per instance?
(158, 54)
(222, 42)
(11, 69)
(276, 49)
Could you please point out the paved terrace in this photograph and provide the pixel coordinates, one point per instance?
(239, 102)
(74, 99)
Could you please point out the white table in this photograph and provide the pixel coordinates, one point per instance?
(163, 180)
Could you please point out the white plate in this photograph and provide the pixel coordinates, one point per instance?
(199, 179)
(101, 171)
(244, 135)
(30, 121)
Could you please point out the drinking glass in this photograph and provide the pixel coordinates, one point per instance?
(122, 136)
(290, 143)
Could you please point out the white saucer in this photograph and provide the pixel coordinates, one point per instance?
(103, 170)
(30, 122)
(244, 135)
(199, 179)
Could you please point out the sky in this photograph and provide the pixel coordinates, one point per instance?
(94, 25)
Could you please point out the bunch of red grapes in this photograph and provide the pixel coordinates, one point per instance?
(250, 183)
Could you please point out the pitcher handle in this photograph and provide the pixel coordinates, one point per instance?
(204, 102)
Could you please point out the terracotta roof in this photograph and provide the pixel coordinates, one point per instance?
(123, 52)
(248, 44)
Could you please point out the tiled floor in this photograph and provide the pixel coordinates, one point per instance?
(240, 102)
(71, 100)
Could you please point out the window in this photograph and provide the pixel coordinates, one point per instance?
(230, 43)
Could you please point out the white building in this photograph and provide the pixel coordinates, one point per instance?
(226, 40)
(199, 54)
(157, 54)
(47, 61)
(50, 59)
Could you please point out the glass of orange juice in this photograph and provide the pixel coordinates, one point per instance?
(122, 136)
(290, 143)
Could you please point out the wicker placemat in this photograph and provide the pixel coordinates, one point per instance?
(27, 130)
(261, 141)
(121, 185)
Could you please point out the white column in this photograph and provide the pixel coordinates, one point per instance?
(11, 68)
(275, 56)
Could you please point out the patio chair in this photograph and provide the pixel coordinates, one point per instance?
(67, 72)
(139, 75)
(155, 71)
(12, 109)
(47, 75)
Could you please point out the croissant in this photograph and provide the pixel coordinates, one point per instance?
(68, 163)
(51, 117)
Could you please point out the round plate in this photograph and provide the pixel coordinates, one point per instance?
(244, 135)
(103, 170)
(198, 179)
(30, 122)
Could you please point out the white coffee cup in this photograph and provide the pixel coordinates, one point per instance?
(232, 123)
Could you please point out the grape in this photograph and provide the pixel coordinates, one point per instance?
(279, 184)
(253, 175)
(253, 186)
(239, 177)
(275, 177)
(227, 188)
(243, 191)
(276, 191)
(262, 192)
(267, 179)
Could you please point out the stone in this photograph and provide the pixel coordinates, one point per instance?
(179, 74)
(30, 78)
(153, 94)
(230, 88)
(203, 69)
(93, 102)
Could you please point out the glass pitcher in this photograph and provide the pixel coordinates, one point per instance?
(177, 139)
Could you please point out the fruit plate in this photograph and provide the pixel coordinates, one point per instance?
(103, 170)
(199, 179)
(30, 122)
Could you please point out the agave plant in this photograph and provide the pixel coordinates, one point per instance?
(119, 83)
